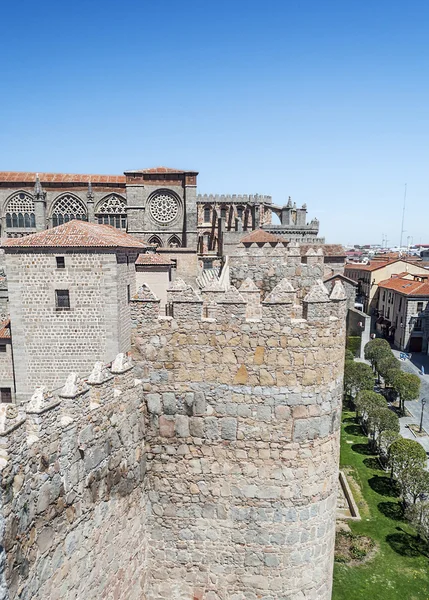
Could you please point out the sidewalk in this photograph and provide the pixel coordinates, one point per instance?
(415, 407)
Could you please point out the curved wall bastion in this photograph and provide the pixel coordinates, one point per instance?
(204, 466)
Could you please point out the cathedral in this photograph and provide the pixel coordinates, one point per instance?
(160, 206)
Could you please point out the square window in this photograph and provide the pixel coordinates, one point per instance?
(5, 395)
(3, 348)
(62, 299)
(419, 307)
(61, 262)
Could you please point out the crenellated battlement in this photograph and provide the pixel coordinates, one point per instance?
(283, 304)
(69, 458)
(233, 199)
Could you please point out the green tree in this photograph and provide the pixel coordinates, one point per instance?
(407, 386)
(382, 419)
(367, 401)
(357, 376)
(387, 367)
(375, 350)
(413, 481)
(406, 454)
(386, 439)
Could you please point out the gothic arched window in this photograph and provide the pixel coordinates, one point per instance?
(112, 211)
(20, 212)
(155, 240)
(66, 208)
(174, 242)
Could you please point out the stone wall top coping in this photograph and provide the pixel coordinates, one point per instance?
(12, 428)
(34, 411)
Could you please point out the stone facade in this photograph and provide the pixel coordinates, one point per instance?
(207, 471)
(49, 341)
(159, 205)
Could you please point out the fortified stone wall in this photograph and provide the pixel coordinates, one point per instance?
(243, 439)
(208, 471)
(267, 265)
(72, 499)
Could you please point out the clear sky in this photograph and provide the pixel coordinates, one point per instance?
(327, 102)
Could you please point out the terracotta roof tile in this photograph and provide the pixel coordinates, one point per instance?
(29, 178)
(157, 170)
(378, 264)
(259, 236)
(151, 258)
(406, 286)
(76, 234)
(5, 330)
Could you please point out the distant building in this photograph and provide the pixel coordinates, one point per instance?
(368, 276)
(403, 311)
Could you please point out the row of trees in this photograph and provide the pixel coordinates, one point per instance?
(360, 376)
(406, 458)
(405, 386)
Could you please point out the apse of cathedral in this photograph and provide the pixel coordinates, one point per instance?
(160, 206)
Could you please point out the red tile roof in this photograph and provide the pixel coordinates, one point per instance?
(5, 330)
(27, 177)
(378, 264)
(157, 170)
(77, 234)
(152, 259)
(259, 236)
(406, 286)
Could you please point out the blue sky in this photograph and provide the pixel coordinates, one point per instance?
(327, 102)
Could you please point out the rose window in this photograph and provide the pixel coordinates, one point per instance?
(164, 208)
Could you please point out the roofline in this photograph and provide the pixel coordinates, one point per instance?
(72, 248)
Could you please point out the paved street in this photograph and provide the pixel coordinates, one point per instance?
(415, 407)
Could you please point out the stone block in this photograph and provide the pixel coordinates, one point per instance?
(228, 428)
(154, 403)
(182, 426)
(169, 403)
(166, 426)
(200, 405)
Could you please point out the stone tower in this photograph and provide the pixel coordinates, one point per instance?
(69, 291)
(162, 205)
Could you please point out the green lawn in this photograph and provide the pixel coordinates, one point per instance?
(400, 569)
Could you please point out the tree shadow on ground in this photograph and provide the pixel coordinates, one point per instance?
(384, 486)
(391, 510)
(373, 463)
(362, 449)
(406, 544)
(353, 429)
(349, 420)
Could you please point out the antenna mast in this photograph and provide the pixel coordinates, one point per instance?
(403, 217)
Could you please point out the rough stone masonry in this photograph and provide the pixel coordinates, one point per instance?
(208, 471)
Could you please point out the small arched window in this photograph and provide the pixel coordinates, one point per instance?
(155, 240)
(66, 208)
(112, 211)
(174, 242)
(239, 212)
(223, 212)
(20, 212)
(207, 214)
